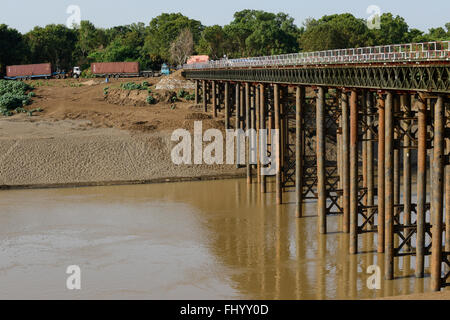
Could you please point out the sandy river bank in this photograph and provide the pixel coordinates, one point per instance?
(71, 153)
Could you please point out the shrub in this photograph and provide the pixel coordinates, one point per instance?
(182, 93)
(136, 86)
(190, 97)
(151, 99)
(15, 87)
(12, 101)
(86, 73)
(13, 96)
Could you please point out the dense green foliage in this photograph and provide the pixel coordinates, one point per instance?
(135, 86)
(250, 33)
(13, 95)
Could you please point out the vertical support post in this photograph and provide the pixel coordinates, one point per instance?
(381, 189)
(299, 104)
(256, 115)
(339, 150)
(252, 127)
(282, 130)
(389, 187)
(405, 101)
(204, 92)
(242, 104)
(345, 161)
(262, 118)
(370, 158)
(321, 158)
(214, 98)
(248, 137)
(238, 123)
(277, 143)
(421, 187)
(438, 198)
(396, 109)
(447, 193)
(354, 194)
(226, 99)
(364, 144)
(196, 91)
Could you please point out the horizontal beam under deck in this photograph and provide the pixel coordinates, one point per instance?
(423, 78)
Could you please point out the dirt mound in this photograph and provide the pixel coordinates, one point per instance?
(175, 81)
(197, 116)
(127, 97)
(177, 75)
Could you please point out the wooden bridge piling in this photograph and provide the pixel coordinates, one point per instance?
(299, 106)
(227, 104)
(421, 186)
(345, 161)
(321, 160)
(279, 195)
(248, 137)
(437, 199)
(381, 176)
(354, 181)
(389, 186)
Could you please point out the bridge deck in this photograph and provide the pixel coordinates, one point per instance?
(423, 67)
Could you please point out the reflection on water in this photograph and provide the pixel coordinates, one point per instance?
(197, 240)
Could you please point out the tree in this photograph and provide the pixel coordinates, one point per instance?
(393, 30)
(336, 31)
(437, 34)
(89, 39)
(416, 35)
(213, 42)
(54, 44)
(164, 29)
(13, 47)
(256, 32)
(126, 43)
(183, 46)
(323, 37)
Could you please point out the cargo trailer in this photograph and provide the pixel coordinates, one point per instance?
(33, 71)
(119, 70)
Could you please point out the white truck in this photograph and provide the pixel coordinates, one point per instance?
(76, 73)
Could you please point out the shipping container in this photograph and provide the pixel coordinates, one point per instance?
(30, 71)
(197, 59)
(115, 69)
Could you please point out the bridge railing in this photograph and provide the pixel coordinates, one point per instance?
(438, 50)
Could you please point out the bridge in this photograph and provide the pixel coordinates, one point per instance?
(343, 116)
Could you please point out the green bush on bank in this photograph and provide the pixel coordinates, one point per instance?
(135, 86)
(13, 95)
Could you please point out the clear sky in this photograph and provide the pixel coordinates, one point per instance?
(25, 14)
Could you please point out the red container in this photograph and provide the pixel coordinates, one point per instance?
(115, 68)
(29, 70)
(197, 59)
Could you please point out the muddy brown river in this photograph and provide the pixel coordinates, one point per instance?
(196, 240)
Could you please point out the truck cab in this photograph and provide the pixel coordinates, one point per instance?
(165, 70)
(76, 72)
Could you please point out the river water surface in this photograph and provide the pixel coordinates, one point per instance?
(195, 240)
